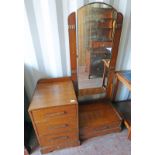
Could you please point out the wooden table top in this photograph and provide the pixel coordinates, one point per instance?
(125, 78)
(53, 94)
(96, 113)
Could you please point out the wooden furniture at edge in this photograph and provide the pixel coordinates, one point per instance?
(54, 114)
(125, 78)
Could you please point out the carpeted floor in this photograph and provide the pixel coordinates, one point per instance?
(111, 144)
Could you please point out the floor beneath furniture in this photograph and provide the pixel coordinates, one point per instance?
(111, 144)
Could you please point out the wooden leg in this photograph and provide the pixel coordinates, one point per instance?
(129, 133)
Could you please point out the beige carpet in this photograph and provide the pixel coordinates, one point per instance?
(111, 144)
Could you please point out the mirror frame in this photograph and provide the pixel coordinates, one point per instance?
(73, 54)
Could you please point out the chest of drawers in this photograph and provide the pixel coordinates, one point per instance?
(54, 114)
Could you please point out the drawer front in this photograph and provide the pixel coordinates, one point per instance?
(61, 125)
(54, 114)
(56, 139)
(99, 133)
(87, 130)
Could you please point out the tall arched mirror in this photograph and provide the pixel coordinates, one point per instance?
(96, 23)
(94, 36)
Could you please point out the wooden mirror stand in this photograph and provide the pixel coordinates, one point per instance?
(74, 54)
(96, 117)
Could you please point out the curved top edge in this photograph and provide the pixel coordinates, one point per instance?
(96, 3)
(71, 14)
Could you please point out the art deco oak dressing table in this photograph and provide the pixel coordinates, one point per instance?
(66, 110)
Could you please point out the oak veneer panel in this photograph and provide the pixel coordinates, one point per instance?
(72, 45)
(54, 114)
(53, 94)
(96, 114)
(97, 129)
(50, 80)
(115, 48)
(98, 118)
(55, 139)
(99, 133)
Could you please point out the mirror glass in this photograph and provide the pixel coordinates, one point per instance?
(95, 31)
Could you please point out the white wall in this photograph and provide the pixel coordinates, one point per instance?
(47, 53)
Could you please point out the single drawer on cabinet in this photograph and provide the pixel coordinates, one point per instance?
(62, 112)
(55, 139)
(98, 129)
(61, 125)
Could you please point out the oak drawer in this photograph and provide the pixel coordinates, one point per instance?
(99, 133)
(55, 139)
(61, 125)
(54, 113)
(98, 129)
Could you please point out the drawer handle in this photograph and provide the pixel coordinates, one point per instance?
(57, 127)
(59, 138)
(55, 114)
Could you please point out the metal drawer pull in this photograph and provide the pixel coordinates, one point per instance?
(55, 114)
(57, 126)
(58, 138)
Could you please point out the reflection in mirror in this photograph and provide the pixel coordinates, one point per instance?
(95, 29)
